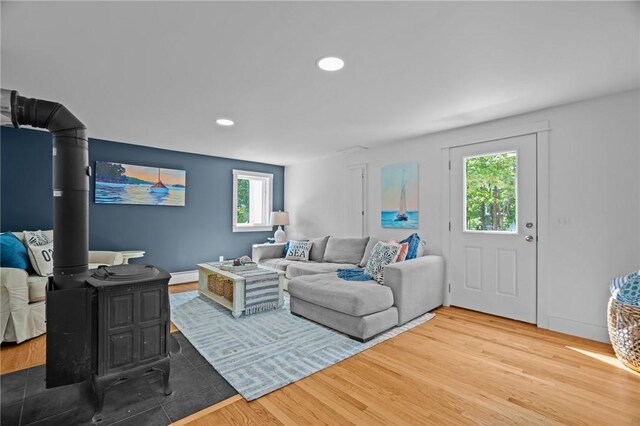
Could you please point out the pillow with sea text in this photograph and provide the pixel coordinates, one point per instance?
(299, 250)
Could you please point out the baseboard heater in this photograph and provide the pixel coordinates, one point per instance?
(183, 277)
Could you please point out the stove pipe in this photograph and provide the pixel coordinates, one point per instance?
(71, 173)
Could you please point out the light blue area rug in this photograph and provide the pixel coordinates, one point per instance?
(260, 353)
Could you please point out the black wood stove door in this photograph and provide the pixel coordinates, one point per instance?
(133, 326)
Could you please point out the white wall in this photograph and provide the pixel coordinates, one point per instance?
(594, 183)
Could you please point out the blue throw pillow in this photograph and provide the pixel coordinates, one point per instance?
(286, 250)
(414, 243)
(630, 292)
(13, 253)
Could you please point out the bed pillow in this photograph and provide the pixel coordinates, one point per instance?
(383, 254)
(13, 253)
(299, 250)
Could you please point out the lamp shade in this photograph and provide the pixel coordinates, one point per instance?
(279, 218)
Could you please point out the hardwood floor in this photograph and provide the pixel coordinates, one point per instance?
(25, 355)
(462, 367)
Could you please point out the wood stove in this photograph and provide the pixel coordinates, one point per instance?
(109, 324)
(130, 309)
(115, 329)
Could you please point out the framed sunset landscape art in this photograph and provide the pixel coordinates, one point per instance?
(118, 183)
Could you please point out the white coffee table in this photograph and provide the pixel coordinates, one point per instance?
(131, 254)
(237, 304)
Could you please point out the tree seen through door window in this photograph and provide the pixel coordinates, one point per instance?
(491, 192)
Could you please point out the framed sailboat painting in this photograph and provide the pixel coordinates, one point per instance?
(118, 183)
(400, 196)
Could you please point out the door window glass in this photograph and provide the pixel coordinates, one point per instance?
(491, 193)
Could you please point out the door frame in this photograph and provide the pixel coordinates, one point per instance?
(365, 195)
(541, 129)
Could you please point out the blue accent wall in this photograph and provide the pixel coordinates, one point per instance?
(175, 238)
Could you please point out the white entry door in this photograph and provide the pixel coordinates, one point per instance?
(494, 227)
(356, 201)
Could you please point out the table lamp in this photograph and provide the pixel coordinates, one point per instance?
(280, 218)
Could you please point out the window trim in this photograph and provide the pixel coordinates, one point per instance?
(268, 202)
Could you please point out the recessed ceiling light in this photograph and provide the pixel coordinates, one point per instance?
(224, 122)
(330, 63)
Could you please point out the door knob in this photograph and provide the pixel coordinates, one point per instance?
(528, 238)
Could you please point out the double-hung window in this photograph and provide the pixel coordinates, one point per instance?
(252, 201)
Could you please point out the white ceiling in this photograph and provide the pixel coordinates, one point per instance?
(160, 73)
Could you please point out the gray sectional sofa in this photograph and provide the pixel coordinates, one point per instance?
(360, 309)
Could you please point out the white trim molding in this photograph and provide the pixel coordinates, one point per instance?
(578, 328)
(446, 223)
(266, 208)
(544, 225)
(365, 194)
(500, 133)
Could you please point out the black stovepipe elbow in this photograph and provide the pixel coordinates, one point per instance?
(71, 173)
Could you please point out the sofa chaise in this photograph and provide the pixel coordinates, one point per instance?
(360, 309)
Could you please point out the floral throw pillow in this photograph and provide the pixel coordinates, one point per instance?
(383, 254)
(299, 250)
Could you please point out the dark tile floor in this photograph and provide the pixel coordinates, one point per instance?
(196, 385)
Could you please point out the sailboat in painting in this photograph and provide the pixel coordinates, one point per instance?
(402, 211)
(159, 187)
